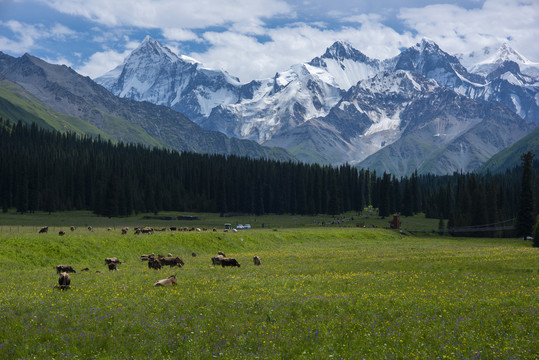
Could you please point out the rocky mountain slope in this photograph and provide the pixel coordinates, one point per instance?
(69, 93)
(344, 107)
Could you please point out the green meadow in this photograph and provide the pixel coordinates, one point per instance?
(322, 292)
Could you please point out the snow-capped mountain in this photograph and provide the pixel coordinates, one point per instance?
(487, 61)
(341, 106)
(518, 92)
(304, 92)
(155, 74)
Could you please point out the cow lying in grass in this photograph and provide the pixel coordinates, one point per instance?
(167, 282)
(216, 260)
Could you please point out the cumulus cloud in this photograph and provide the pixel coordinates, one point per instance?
(101, 62)
(460, 30)
(244, 56)
(178, 34)
(25, 36)
(187, 14)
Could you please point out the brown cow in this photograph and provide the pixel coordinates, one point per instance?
(229, 262)
(171, 261)
(256, 260)
(43, 230)
(72, 228)
(90, 228)
(124, 230)
(61, 232)
(64, 268)
(112, 260)
(167, 282)
(63, 281)
(154, 263)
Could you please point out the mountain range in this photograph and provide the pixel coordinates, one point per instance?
(419, 110)
(62, 99)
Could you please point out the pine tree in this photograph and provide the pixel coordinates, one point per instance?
(525, 219)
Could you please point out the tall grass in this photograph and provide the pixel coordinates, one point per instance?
(320, 294)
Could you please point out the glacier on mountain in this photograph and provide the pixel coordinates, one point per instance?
(339, 107)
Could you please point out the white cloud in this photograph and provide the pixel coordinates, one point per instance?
(177, 34)
(460, 30)
(101, 62)
(26, 37)
(186, 14)
(243, 56)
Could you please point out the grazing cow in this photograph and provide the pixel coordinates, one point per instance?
(63, 281)
(61, 232)
(214, 230)
(173, 228)
(235, 230)
(109, 229)
(145, 257)
(167, 282)
(256, 260)
(154, 263)
(124, 230)
(229, 262)
(112, 260)
(216, 260)
(112, 266)
(171, 261)
(90, 228)
(221, 253)
(72, 228)
(44, 230)
(64, 268)
(144, 230)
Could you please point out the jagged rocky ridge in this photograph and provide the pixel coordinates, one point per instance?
(344, 106)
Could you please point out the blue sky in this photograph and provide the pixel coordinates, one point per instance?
(253, 39)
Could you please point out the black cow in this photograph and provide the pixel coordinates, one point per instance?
(229, 262)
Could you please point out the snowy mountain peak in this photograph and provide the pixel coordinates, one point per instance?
(490, 60)
(341, 50)
(427, 44)
(506, 52)
(151, 48)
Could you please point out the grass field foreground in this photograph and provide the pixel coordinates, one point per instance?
(319, 294)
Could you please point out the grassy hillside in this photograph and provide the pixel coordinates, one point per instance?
(17, 104)
(320, 293)
(510, 157)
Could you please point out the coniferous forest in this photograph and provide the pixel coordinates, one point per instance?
(49, 171)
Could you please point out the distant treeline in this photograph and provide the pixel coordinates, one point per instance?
(50, 171)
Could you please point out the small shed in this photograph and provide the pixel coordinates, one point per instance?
(228, 226)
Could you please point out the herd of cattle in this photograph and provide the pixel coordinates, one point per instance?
(154, 262)
(138, 229)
